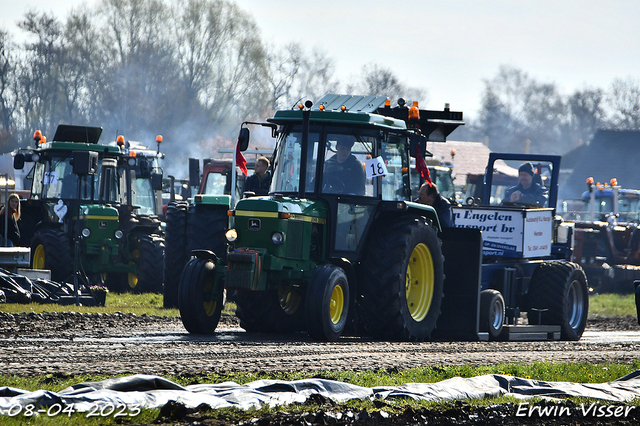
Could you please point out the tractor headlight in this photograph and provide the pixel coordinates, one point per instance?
(118, 234)
(86, 232)
(131, 162)
(231, 235)
(277, 238)
(35, 157)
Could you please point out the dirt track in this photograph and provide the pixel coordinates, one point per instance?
(73, 344)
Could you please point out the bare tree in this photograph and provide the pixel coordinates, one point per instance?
(379, 81)
(222, 59)
(624, 100)
(517, 109)
(284, 66)
(8, 96)
(40, 97)
(587, 114)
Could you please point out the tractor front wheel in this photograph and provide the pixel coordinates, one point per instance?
(200, 298)
(327, 303)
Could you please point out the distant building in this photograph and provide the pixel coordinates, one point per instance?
(610, 154)
(470, 158)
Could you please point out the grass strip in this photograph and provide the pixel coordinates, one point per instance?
(545, 371)
(151, 304)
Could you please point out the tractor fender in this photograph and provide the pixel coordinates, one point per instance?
(205, 254)
(426, 211)
(46, 225)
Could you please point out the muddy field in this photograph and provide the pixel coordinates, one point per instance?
(70, 344)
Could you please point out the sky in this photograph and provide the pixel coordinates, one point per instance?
(447, 48)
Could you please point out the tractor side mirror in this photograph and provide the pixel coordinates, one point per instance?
(243, 139)
(85, 162)
(18, 162)
(156, 181)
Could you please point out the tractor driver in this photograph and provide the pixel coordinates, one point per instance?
(527, 191)
(343, 173)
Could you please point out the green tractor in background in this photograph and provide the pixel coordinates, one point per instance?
(84, 190)
(316, 255)
(201, 222)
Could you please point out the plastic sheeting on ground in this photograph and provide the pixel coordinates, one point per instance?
(146, 391)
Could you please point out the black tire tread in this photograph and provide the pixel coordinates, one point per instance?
(382, 292)
(486, 301)
(58, 256)
(190, 300)
(319, 325)
(548, 288)
(176, 254)
(206, 226)
(260, 312)
(151, 264)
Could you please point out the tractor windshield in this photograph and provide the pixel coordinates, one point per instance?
(144, 196)
(528, 183)
(344, 161)
(59, 181)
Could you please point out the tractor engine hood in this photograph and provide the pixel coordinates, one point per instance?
(277, 206)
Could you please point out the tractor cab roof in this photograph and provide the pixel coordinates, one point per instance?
(70, 133)
(374, 111)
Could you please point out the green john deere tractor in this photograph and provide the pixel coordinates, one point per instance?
(81, 189)
(325, 251)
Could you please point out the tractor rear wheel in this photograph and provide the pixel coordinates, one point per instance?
(492, 313)
(176, 254)
(206, 227)
(51, 249)
(148, 257)
(402, 287)
(559, 290)
(200, 296)
(270, 311)
(327, 303)
(150, 263)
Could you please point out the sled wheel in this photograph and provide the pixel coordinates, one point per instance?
(492, 313)
(200, 296)
(327, 303)
(560, 290)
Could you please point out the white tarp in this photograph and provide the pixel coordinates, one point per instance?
(146, 391)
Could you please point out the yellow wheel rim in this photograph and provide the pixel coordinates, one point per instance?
(336, 304)
(210, 302)
(38, 257)
(420, 282)
(289, 299)
(132, 279)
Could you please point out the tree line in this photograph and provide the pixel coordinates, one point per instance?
(193, 70)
